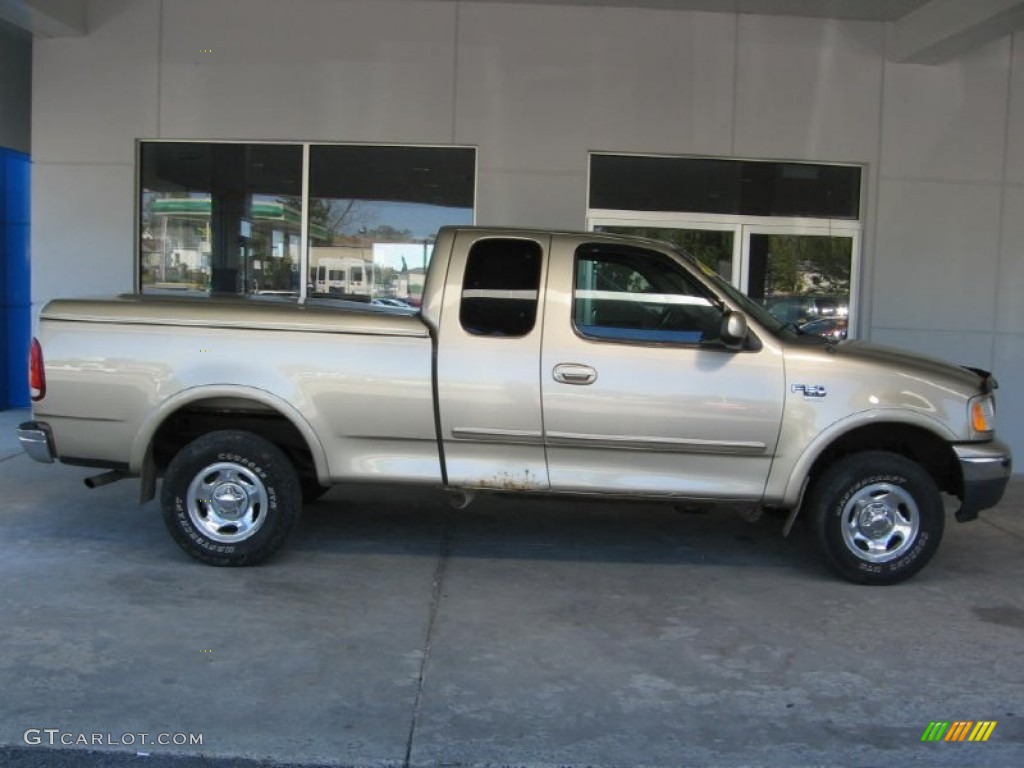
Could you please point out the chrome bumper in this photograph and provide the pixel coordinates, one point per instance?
(36, 441)
(985, 468)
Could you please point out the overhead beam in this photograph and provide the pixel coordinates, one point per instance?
(942, 29)
(47, 18)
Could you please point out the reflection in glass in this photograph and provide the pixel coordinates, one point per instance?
(711, 247)
(803, 278)
(374, 215)
(220, 218)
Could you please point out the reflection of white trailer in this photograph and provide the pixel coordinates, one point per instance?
(341, 270)
(351, 276)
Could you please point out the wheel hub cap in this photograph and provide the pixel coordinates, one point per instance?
(881, 522)
(227, 502)
(876, 520)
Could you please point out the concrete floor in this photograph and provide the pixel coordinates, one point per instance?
(394, 631)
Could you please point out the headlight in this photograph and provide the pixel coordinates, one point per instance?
(982, 413)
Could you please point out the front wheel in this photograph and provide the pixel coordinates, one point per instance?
(878, 517)
(230, 498)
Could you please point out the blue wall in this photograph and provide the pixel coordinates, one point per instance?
(15, 289)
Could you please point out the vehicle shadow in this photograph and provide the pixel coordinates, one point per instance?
(385, 520)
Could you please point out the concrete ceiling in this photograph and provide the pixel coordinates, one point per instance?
(864, 10)
(922, 31)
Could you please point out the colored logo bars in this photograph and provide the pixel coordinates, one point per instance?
(958, 730)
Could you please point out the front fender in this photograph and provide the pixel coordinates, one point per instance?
(787, 479)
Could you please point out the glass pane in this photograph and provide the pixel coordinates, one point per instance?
(499, 290)
(709, 185)
(711, 247)
(220, 218)
(374, 214)
(641, 297)
(803, 280)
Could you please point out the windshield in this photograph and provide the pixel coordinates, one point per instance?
(745, 303)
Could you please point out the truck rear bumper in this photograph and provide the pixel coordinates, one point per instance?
(37, 441)
(986, 469)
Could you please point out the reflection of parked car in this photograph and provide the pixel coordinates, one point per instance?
(387, 301)
(802, 309)
(829, 327)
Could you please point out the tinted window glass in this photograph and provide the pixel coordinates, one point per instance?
(227, 217)
(500, 287)
(374, 213)
(220, 218)
(744, 187)
(630, 295)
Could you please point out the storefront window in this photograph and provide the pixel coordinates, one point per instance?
(374, 212)
(226, 218)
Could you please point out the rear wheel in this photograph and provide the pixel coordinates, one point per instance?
(230, 498)
(878, 517)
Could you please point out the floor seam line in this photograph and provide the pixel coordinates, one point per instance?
(435, 599)
(998, 527)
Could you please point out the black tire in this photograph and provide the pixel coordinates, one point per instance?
(899, 523)
(257, 492)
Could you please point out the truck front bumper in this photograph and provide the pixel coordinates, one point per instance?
(37, 441)
(985, 468)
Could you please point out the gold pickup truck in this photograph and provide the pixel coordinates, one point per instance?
(540, 363)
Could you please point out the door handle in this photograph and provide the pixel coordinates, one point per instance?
(570, 373)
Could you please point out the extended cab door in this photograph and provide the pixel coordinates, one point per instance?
(640, 396)
(488, 352)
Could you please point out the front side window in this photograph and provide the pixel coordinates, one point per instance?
(623, 294)
(500, 287)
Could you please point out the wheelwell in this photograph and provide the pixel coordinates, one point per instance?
(208, 415)
(917, 444)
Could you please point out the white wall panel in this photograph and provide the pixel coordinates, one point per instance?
(82, 239)
(947, 121)
(1008, 366)
(93, 96)
(936, 256)
(1015, 127)
(539, 86)
(808, 88)
(537, 199)
(1010, 297)
(333, 70)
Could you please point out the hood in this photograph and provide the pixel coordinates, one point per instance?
(940, 372)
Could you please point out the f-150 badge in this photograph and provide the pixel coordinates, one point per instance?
(810, 390)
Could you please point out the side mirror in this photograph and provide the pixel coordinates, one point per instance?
(734, 329)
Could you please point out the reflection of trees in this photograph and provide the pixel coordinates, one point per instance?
(808, 264)
(712, 248)
(336, 217)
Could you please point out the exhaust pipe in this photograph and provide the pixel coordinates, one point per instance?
(105, 479)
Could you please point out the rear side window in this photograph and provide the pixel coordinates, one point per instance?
(623, 294)
(500, 287)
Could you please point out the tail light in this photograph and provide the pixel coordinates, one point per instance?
(36, 374)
